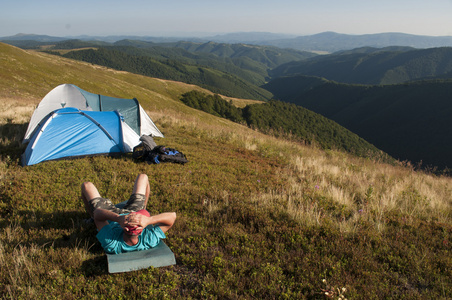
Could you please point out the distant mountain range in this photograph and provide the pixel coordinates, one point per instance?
(324, 42)
(332, 42)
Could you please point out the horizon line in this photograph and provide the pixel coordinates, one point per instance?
(195, 34)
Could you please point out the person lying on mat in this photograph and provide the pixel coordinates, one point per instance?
(130, 228)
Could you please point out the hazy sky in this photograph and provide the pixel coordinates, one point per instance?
(203, 17)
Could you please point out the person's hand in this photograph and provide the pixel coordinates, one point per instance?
(129, 222)
(134, 219)
(122, 220)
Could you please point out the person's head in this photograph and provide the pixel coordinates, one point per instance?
(132, 229)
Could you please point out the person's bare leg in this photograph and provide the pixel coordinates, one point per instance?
(89, 192)
(141, 186)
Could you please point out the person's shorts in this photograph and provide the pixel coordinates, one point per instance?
(136, 202)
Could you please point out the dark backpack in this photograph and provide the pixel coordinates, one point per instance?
(163, 154)
(148, 151)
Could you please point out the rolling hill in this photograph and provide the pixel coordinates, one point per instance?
(258, 217)
(213, 79)
(236, 70)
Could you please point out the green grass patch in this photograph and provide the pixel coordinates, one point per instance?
(225, 245)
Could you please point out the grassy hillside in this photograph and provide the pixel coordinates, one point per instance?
(408, 121)
(385, 66)
(215, 80)
(258, 217)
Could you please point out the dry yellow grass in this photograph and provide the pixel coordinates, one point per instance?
(368, 189)
(14, 111)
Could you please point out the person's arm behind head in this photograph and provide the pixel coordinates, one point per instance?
(165, 220)
(102, 216)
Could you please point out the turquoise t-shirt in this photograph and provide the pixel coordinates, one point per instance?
(111, 238)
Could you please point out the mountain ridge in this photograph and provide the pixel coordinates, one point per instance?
(326, 41)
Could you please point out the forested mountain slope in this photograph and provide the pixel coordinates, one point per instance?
(212, 79)
(409, 121)
(287, 120)
(384, 66)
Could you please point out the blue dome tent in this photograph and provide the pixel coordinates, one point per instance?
(71, 132)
